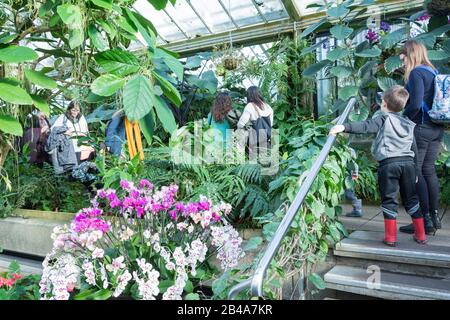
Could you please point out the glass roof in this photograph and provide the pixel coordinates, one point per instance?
(189, 19)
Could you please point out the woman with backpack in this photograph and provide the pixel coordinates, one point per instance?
(420, 77)
(260, 115)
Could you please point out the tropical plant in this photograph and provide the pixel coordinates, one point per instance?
(139, 242)
(316, 226)
(14, 286)
(362, 68)
(86, 41)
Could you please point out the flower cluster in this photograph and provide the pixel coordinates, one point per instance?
(124, 239)
(9, 282)
(424, 17)
(372, 36)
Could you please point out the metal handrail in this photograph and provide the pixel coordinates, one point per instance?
(256, 281)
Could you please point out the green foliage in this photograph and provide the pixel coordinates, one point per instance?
(24, 288)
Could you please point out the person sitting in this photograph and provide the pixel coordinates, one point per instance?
(115, 133)
(217, 118)
(36, 137)
(77, 126)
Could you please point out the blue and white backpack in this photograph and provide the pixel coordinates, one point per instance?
(440, 110)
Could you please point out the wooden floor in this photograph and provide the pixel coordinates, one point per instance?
(372, 220)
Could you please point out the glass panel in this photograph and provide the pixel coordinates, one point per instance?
(272, 9)
(160, 20)
(300, 5)
(243, 12)
(213, 14)
(187, 19)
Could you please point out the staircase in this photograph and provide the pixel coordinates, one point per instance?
(408, 271)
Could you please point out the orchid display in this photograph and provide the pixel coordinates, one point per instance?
(138, 242)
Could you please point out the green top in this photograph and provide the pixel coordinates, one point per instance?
(221, 126)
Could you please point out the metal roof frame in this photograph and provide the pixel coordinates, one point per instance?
(265, 32)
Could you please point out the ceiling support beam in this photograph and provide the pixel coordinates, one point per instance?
(291, 9)
(200, 17)
(176, 24)
(259, 11)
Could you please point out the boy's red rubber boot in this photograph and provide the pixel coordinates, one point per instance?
(419, 231)
(390, 232)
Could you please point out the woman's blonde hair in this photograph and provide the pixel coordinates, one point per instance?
(416, 54)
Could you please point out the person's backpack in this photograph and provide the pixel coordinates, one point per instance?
(440, 110)
(262, 124)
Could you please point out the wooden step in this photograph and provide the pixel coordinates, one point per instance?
(368, 245)
(392, 285)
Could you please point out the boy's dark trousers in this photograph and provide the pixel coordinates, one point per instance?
(394, 175)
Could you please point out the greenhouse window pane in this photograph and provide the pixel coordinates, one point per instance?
(213, 14)
(243, 12)
(165, 27)
(301, 5)
(187, 19)
(272, 9)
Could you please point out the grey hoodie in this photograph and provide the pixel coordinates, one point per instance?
(395, 135)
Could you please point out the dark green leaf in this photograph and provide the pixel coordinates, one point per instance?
(337, 54)
(392, 63)
(158, 4)
(164, 114)
(393, 38)
(96, 38)
(369, 53)
(40, 103)
(385, 83)
(316, 67)
(338, 12)
(107, 4)
(147, 125)
(437, 55)
(313, 27)
(169, 90)
(341, 71)
(118, 62)
(347, 92)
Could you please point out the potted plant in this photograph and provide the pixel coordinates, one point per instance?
(139, 242)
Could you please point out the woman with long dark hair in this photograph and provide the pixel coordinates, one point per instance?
(77, 126)
(217, 118)
(419, 76)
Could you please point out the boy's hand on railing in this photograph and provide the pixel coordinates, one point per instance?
(337, 129)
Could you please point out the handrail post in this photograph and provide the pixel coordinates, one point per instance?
(256, 281)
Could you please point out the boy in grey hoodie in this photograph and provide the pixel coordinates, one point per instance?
(394, 149)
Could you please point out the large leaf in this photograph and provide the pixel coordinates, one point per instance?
(316, 67)
(341, 32)
(147, 125)
(369, 53)
(341, 71)
(360, 114)
(164, 114)
(40, 79)
(428, 40)
(118, 62)
(337, 54)
(70, 15)
(385, 83)
(313, 27)
(138, 97)
(13, 94)
(437, 55)
(392, 63)
(169, 90)
(367, 69)
(393, 38)
(338, 12)
(7, 37)
(106, 85)
(16, 54)
(173, 63)
(439, 31)
(148, 33)
(10, 125)
(347, 92)
(107, 4)
(96, 38)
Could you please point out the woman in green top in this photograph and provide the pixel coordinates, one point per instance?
(217, 118)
